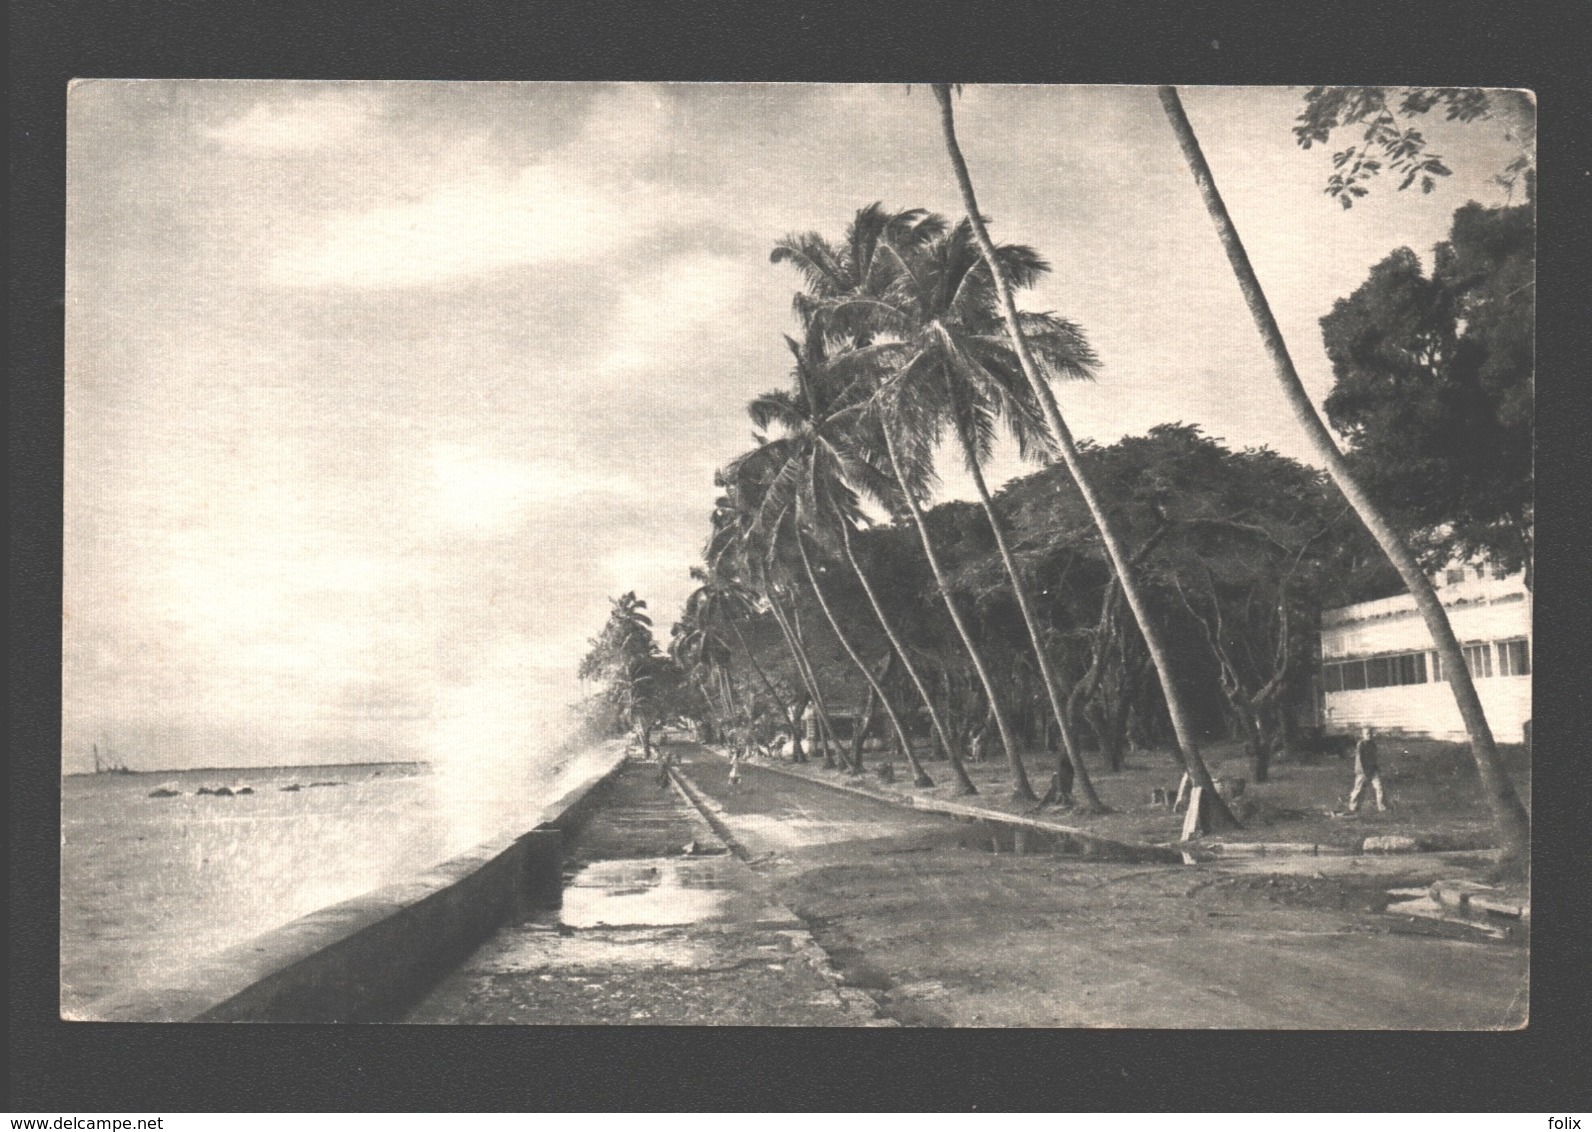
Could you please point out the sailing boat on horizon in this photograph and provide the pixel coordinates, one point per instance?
(109, 763)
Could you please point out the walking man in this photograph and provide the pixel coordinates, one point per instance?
(1366, 769)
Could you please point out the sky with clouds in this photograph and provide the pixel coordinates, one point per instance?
(377, 392)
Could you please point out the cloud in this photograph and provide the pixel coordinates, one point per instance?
(658, 572)
(608, 188)
(662, 318)
(307, 123)
(464, 228)
(476, 491)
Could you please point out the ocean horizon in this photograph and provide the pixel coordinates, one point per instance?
(152, 883)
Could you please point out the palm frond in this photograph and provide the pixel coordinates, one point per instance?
(775, 408)
(813, 256)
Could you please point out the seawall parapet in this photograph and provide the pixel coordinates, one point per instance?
(364, 959)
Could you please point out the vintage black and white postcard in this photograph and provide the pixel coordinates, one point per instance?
(798, 554)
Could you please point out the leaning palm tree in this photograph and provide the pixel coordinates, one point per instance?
(1182, 722)
(720, 601)
(862, 265)
(937, 336)
(845, 300)
(737, 553)
(1509, 815)
(701, 655)
(809, 472)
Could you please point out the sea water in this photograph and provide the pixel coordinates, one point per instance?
(150, 884)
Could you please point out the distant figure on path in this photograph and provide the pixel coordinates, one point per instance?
(735, 768)
(1366, 769)
(663, 768)
(1060, 792)
(981, 744)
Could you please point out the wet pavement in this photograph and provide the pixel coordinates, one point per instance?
(799, 904)
(660, 925)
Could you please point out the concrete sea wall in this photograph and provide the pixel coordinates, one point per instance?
(365, 959)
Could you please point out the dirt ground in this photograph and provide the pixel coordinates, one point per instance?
(1431, 786)
(916, 910)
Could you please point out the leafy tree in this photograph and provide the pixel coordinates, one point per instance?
(1385, 144)
(1253, 548)
(1509, 816)
(1434, 388)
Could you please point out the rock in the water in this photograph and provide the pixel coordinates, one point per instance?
(291, 787)
(163, 792)
(1389, 843)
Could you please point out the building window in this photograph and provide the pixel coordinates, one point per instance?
(1454, 576)
(1412, 668)
(1514, 659)
(1375, 672)
(1500, 572)
(1478, 658)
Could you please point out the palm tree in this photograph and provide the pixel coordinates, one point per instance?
(863, 265)
(624, 655)
(939, 338)
(719, 601)
(809, 473)
(1182, 723)
(735, 552)
(847, 297)
(1509, 815)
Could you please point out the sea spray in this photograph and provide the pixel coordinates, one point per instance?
(495, 757)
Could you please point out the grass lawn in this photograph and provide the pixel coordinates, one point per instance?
(1431, 787)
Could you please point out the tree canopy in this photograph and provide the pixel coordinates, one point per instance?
(1402, 150)
(1434, 379)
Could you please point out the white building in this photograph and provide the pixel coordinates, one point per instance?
(1379, 666)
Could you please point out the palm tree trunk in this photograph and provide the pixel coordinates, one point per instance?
(845, 643)
(797, 658)
(1182, 721)
(1514, 826)
(728, 693)
(1047, 670)
(821, 705)
(860, 731)
(1020, 787)
(920, 776)
(763, 676)
(826, 729)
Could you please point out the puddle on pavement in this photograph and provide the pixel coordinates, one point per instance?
(660, 892)
(1000, 837)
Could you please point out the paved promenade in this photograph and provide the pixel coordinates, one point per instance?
(661, 925)
(840, 909)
